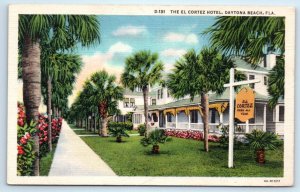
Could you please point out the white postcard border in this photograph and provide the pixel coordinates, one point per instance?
(12, 178)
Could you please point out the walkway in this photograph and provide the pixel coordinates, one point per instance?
(73, 157)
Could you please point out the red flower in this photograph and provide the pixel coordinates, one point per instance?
(21, 122)
(27, 136)
(23, 140)
(20, 150)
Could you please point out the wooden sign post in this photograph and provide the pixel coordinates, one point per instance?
(231, 86)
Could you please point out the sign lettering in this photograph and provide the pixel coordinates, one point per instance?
(244, 106)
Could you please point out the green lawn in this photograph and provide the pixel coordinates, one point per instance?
(82, 131)
(46, 161)
(182, 157)
(132, 132)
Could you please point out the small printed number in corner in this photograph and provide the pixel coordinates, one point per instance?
(272, 180)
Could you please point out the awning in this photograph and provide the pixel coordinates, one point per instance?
(220, 107)
(172, 111)
(186, 110)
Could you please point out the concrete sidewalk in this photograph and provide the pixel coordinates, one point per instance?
(73, 157)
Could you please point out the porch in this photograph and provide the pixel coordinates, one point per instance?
(189, 118)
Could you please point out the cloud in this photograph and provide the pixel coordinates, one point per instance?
(130, 30)
(120, 48)
(173, 52)
(190, 38)
(99, 61)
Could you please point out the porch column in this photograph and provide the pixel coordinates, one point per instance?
(221, 118)
(265, 118)
(176, 117)
(166, 120)
(157, 115)
(277, 113)
(189, 116)
(247, 126)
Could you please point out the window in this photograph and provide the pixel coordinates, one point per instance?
(252, 120)
(129, 102)
(138, 89)
(169, 117)
(132, 102)
(158, 94)
(126, 102)
(194, 116)
(168, 93)
(281, 113)
(252, 85)
(154, 117)
(213, 116)
(137, 118)
(153, 101)
(265, 80)
(161, 93)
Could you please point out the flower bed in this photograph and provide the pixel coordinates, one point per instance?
(43, 132)
(26, 156)
(191, 134)
(25, 146)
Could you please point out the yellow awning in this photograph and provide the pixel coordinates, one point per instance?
(182, 109)
(186, 110)
(220, 107)
(172, 111)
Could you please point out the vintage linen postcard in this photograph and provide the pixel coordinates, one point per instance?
(151, 95)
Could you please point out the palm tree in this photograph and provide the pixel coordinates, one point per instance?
(67, 29)
(58, 69)
(276, 82)
(198, 74)
(105, 94)
(259, 141)
(142, 69)
(252, 38)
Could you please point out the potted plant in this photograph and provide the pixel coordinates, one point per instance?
(154, 138)
(118, 132)
(142, 129)
(260, 141)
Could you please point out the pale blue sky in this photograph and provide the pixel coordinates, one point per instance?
(169, 36)
(121, 36)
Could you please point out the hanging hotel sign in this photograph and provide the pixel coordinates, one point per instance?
(244, 106)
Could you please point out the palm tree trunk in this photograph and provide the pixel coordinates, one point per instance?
(49, 90)
(145, 95)
(31, 74)
(87, 123)
(204, 115)
(104, 126)
(95, 123)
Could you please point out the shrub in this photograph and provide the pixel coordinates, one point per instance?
(126, 125)
(26, 132)
(155, 137)
(142, 129)
(118, 132)
(43, 133)
(26, 156)
(260, 141)
(224, 138)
